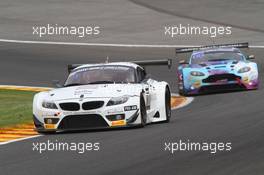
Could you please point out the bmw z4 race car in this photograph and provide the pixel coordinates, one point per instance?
(107, 95)
(216, 68)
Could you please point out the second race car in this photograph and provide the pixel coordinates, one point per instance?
(216, 68)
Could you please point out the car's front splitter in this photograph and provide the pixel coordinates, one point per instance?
(80, 125)
(215, 88)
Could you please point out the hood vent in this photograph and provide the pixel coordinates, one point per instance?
(218, 67)
(203, 64)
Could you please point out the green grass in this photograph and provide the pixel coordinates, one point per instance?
(15, 107)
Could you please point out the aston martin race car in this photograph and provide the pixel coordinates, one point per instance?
(216, 68)
(107, 95)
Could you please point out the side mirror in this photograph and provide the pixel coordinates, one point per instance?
(56, 83)
(147, 77)
(251, 57)
(183, 62)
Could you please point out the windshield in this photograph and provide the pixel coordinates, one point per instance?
(101, 75)
(202, 57)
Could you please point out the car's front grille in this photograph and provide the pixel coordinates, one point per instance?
(221, 88)
(83, 122)
(219, 77)
(92, 105)
(70, 106)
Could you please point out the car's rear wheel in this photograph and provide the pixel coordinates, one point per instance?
(143, 112)
(168, 104)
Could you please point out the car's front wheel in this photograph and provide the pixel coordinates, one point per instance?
(168, 104)
(143, 112)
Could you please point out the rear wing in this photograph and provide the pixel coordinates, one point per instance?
(167, 62)
(191, 49)
(73, 66)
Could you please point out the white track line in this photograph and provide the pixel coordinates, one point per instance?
(16, 140)
(105, 45)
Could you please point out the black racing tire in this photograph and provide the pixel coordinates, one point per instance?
(182, 90)
(143, 112)
(181, 86)
(168, 104)
(183, 93)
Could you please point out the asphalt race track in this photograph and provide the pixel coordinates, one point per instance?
(229, 117)
(236, 117)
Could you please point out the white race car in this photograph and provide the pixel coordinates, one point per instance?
(107, 95)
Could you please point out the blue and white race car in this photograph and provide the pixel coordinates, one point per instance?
(216, 68)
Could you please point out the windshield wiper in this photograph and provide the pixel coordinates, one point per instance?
(101, 82)
(221, 59)
(73, 84)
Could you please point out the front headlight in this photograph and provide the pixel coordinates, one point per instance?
(117, 100)
(244, 69)
(197, 73)
(49, 105)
